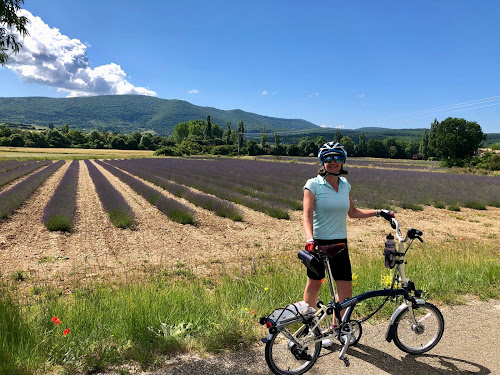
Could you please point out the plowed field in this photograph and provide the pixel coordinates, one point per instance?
(96, 250)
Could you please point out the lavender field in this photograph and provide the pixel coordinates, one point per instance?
(259, 184)
(219, 185)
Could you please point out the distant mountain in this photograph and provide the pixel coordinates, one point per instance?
(130, 113)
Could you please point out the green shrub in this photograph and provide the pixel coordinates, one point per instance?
(454, 207)
(58, 222)
(475, 205)
(168, 151)
(412, 206)
(439, 204)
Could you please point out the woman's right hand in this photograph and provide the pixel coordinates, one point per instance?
(309, 245)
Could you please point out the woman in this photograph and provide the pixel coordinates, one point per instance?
(327, 202)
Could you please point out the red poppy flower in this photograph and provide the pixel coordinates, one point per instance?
(54, 318)
(57, 322)
(252, 312)
(66, 331)
(323, 281)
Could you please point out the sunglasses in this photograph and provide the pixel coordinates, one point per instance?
(335, 158)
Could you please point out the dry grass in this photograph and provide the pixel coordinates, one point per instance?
(69, 153)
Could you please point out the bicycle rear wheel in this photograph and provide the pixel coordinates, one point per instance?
(286, 358)
(422, 337)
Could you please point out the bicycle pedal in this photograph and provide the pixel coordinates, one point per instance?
(347, 363)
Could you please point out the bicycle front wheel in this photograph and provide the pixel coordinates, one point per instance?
(421, 337)
(284, 357)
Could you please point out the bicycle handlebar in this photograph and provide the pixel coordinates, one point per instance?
(411, 234)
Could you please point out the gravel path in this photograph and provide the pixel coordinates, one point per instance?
(469, 346)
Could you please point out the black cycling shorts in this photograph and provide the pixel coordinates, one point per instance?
(340, 264)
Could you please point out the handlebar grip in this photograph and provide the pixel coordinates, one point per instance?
(414, 233)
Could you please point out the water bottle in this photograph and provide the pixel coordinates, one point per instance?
(291, 311)
(390, 251)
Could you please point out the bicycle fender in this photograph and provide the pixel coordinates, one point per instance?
(392, 328)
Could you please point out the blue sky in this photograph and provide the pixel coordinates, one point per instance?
(347, 64)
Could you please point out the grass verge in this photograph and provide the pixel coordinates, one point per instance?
(175, 311)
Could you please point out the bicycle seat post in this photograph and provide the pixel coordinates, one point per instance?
(331, 282)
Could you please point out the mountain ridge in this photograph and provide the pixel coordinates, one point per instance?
(129, 113)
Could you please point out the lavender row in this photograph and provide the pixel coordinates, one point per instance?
(119, 212)
(170, 207)
(13, 198)
(59, 213)
(14, 174)
(7, 165)
(223, 190)
(218, 206)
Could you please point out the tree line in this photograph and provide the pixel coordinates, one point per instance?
(454, 141)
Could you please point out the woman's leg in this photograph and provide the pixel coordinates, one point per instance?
(344, 291)
(311, 292)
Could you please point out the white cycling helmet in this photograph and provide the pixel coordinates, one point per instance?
(330, 149)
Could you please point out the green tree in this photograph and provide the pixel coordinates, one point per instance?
(64, 128)
(293, 150)
(277, 141)
(320, 141)
(362, 147)
(412, 150)
(376, 148)
(432, 138)
(56, 139)
(263, 139)
(338, 136)
(227, 133)
(424, 145)
(348, 144)
(146, 142)
(457, 140)
(207, 131)
(9, 21)
(76, 137)
(307, 146)
(241, 132)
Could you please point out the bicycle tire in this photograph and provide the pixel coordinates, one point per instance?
(282, 361)
(422, 338)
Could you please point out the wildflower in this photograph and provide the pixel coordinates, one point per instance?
(386, 280)
(54, 318)
(323, 281)
(266, 288)
(246, 308)
(252, 312)
(66, 331)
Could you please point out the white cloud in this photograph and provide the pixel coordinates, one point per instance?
(264, 92)
(332, 126)
(51, 58)
(194, 91)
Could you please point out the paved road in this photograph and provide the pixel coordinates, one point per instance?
(470, 345)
